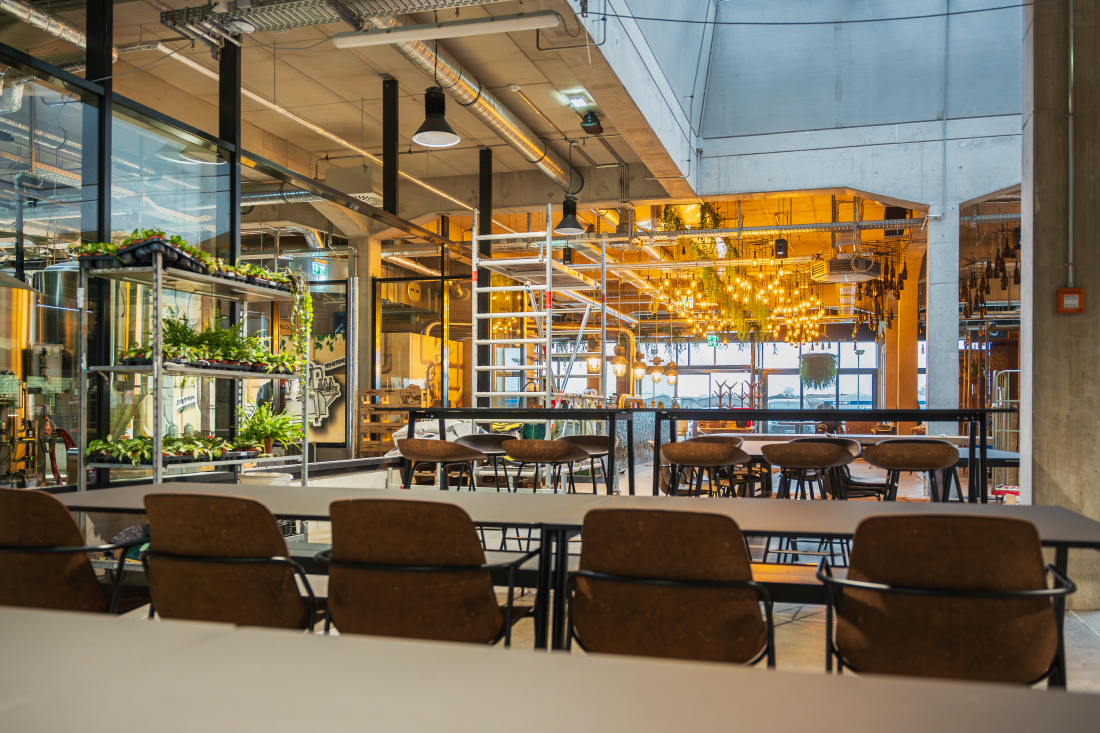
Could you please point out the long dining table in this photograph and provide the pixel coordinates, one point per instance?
(561, 516)
(63, 671)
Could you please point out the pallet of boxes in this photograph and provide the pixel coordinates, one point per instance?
(377, 427)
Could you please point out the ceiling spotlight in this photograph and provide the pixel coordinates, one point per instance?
(578, 102)
(569, 223)
(240, 26)
(436, 132)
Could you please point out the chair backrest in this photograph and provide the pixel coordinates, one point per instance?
(725, 438)
(62, 581)
(713, 624)
(907, 454)
(592, 443)
(440, 605)
(437, 451)
(997, 640)
(487, 443)
(191, 527)
(807, 454)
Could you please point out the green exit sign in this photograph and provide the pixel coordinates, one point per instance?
(712, 339)
(319, 269)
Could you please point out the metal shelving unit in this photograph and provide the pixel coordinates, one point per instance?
(159, 279)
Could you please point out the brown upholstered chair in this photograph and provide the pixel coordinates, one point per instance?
(44, 562)
(442, 453)
(703, 458)
(909, 454)
(414, 569)
(492, 445)
(223, 558)
(598, 448)
(669, 584)
(958, 597)
(553, 453)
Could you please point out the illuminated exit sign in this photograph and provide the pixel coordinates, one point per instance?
(712, 339)
(319, 269)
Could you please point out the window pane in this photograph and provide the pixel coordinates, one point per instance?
(694, 390)
(850, 358)
(163, 182)
(856, 392)
(778, 355)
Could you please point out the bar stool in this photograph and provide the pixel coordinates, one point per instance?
(907, 454)
(702, 457)
(798, 460)
(841, 484)
(440, 453)
(553, 453)
(492, 445)
(598, 447)
(747, 477)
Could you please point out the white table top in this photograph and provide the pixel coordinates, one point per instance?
(81, 672)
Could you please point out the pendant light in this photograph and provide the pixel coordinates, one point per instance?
(594, 358)
(656, 371)
(569, 223)
(638, 367)
(618, 362)
(436, 132)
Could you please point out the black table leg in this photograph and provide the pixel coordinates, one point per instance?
(542, 592)
(561, 577)
(971, 465)
(612, 477)
(630, 453)
(1058, 676)
(656, 454)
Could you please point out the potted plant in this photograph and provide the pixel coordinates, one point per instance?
(265, 427)
(102, 451)
(137, 354)
(136, 450)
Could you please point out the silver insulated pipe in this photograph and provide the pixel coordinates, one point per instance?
(49, 22)
(467, 91)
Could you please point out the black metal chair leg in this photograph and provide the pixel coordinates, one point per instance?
(592, 474)
(410, 470)
(572, 480)
(496, 472)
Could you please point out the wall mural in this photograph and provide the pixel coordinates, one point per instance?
(327, 389)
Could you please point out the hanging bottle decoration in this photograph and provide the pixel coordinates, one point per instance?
(904, 271)
(1016, 274)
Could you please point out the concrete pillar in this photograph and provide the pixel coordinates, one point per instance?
(942, 316)
(1059, 352)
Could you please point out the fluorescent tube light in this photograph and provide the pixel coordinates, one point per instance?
(451, 29)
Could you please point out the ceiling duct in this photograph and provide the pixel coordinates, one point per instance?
(277, 193)
(48, 22)
(846, 269)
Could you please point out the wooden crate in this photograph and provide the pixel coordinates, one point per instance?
(377, 427)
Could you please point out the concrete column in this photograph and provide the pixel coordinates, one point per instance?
(942, 316)
(1059, 352)
(368, 265)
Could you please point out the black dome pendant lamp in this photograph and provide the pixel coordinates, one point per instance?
(569, 223)
(436, 132)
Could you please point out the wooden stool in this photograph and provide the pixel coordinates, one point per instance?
(598, 447)
(441, 453)
(908, 454)
(701, 457)
(748, 476)
(553, 453)
(841, 483)
(492, 445)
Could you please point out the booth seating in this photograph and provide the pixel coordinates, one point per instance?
(598, 447)
(224, 559)
(442, 453)
(45, 559)
(955, 597)
(906, 454)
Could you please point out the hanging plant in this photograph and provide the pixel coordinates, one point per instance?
(301, 317)
(817, 370)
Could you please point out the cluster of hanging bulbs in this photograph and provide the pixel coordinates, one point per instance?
(505, 303)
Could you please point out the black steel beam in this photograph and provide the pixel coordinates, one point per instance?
(389, 146)
(229, 129)
(484, 250)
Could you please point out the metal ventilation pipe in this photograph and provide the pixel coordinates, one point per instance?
(50, 23)
(269, 194)
(467, 91)
(313, 237)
